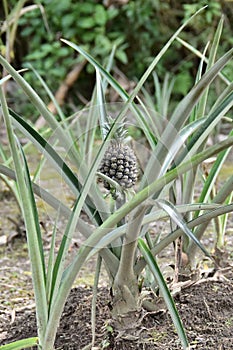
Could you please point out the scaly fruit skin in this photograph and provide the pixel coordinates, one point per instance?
(120, 164)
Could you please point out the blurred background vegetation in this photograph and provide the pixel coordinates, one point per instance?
(138, 29)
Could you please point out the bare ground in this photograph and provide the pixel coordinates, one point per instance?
(205, 308)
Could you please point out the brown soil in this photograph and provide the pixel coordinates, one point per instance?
(205, 308)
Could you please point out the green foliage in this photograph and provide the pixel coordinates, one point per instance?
(82, 22)
(98, 28)
(184, 80)
(213, 11)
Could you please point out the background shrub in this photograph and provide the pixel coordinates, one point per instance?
(137, 28)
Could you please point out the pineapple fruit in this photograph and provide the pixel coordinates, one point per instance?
(119, 162)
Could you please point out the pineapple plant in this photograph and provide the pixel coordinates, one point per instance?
(119, 162)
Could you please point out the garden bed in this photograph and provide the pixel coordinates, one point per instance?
(205, 308)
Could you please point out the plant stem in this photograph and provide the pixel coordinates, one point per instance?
(125, 287)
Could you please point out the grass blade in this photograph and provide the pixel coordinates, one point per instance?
(223, 224)
(94, 298)
(224, 192)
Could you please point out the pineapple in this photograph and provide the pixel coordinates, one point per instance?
(119, 162)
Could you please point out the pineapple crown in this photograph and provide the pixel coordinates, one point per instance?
(120, 132)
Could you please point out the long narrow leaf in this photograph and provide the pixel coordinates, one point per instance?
(220, 197)
(39, 191)
(212, 176)
(178, 232)
(211, 60)
(31, 223)
(178, 118)
(119, 89)
(20, 344)
(102, 106)
(31, 200)
(57, 161)
(202, 56)
(223, 224)
(51, 260)
(8, 77)
(49, 93)
(203, 132)
(164, 290)
(41, 107)
(90, 132)
(179, 142)
(177, 218)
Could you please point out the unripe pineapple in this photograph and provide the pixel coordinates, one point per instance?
(119, 161)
